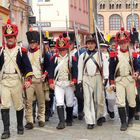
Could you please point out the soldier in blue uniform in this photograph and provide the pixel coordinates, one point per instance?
(123, 70)
(62, 79)
(14, 64)
(49, 44)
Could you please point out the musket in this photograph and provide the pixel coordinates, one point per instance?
(98, 45)
(100, 65)
(76, 35)
(69, 63)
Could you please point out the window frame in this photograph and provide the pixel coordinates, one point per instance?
(114, 22)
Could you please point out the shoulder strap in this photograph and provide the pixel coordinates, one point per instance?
(97, 65)
(1, 51)
(85, 60)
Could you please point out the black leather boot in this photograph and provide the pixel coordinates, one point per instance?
(47, 111)
(122, 114)
(34, 110)
(20, 129)
(6, 123)
(131, 114)
(60, 111)
(69, 112)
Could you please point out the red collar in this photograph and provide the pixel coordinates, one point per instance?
(33, 50)
(124, 51)
(11, 47)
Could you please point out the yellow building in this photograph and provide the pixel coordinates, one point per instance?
(112, 14)
(4, 15)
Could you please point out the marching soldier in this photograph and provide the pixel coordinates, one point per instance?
(134, 36)
(123, 70)
(36, 88)
(14, 63)
(113, 45)
(62, 79)
(49, 93)
(109, 97)
(90, 77)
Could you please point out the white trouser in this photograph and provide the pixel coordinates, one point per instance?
(111, 99)
(93, 98)
(64, 92)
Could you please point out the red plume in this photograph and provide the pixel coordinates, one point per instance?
(122, 29)
(8, 21)
(60, 36)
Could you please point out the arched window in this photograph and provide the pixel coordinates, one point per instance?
(136, 6)
(114, 22)
(135, 21)
(103, 6)
(117, 6)
(100, 22)
(112, 7)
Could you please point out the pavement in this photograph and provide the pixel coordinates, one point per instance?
(109, 131)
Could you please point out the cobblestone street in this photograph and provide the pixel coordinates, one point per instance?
(109, 131)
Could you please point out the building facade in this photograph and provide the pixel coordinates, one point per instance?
(113, 14)
(19, 12)
(57, 16)
(4, 15)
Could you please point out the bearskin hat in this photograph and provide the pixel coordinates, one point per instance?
(122, 36)
(33, 36)
(9, 29)
(62, 43)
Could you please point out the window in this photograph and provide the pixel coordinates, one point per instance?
(128, 6)
(111, 6)
(75, 4)
(114, 22)
(80, 5)
(136, 6)
(118, 6)
(102, 6)
(84, 6)
(129, 21)
(100, 22)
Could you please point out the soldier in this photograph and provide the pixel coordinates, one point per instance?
(109, 97)
(78, 92)
(123, 70)
(90, 77)
(113, 45)
(36, 88)
(49, 93)
(62, 79)
(14, 63)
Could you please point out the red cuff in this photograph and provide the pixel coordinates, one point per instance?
(51, 81)
(46, 73)
(29, 79)
(112, 82)
(74, 80)
(113, 54)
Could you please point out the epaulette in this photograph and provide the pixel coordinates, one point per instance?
(134, 54)
(138, 53)
(113, 54)
(52, 57)
(23, 49)
(74, 58)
